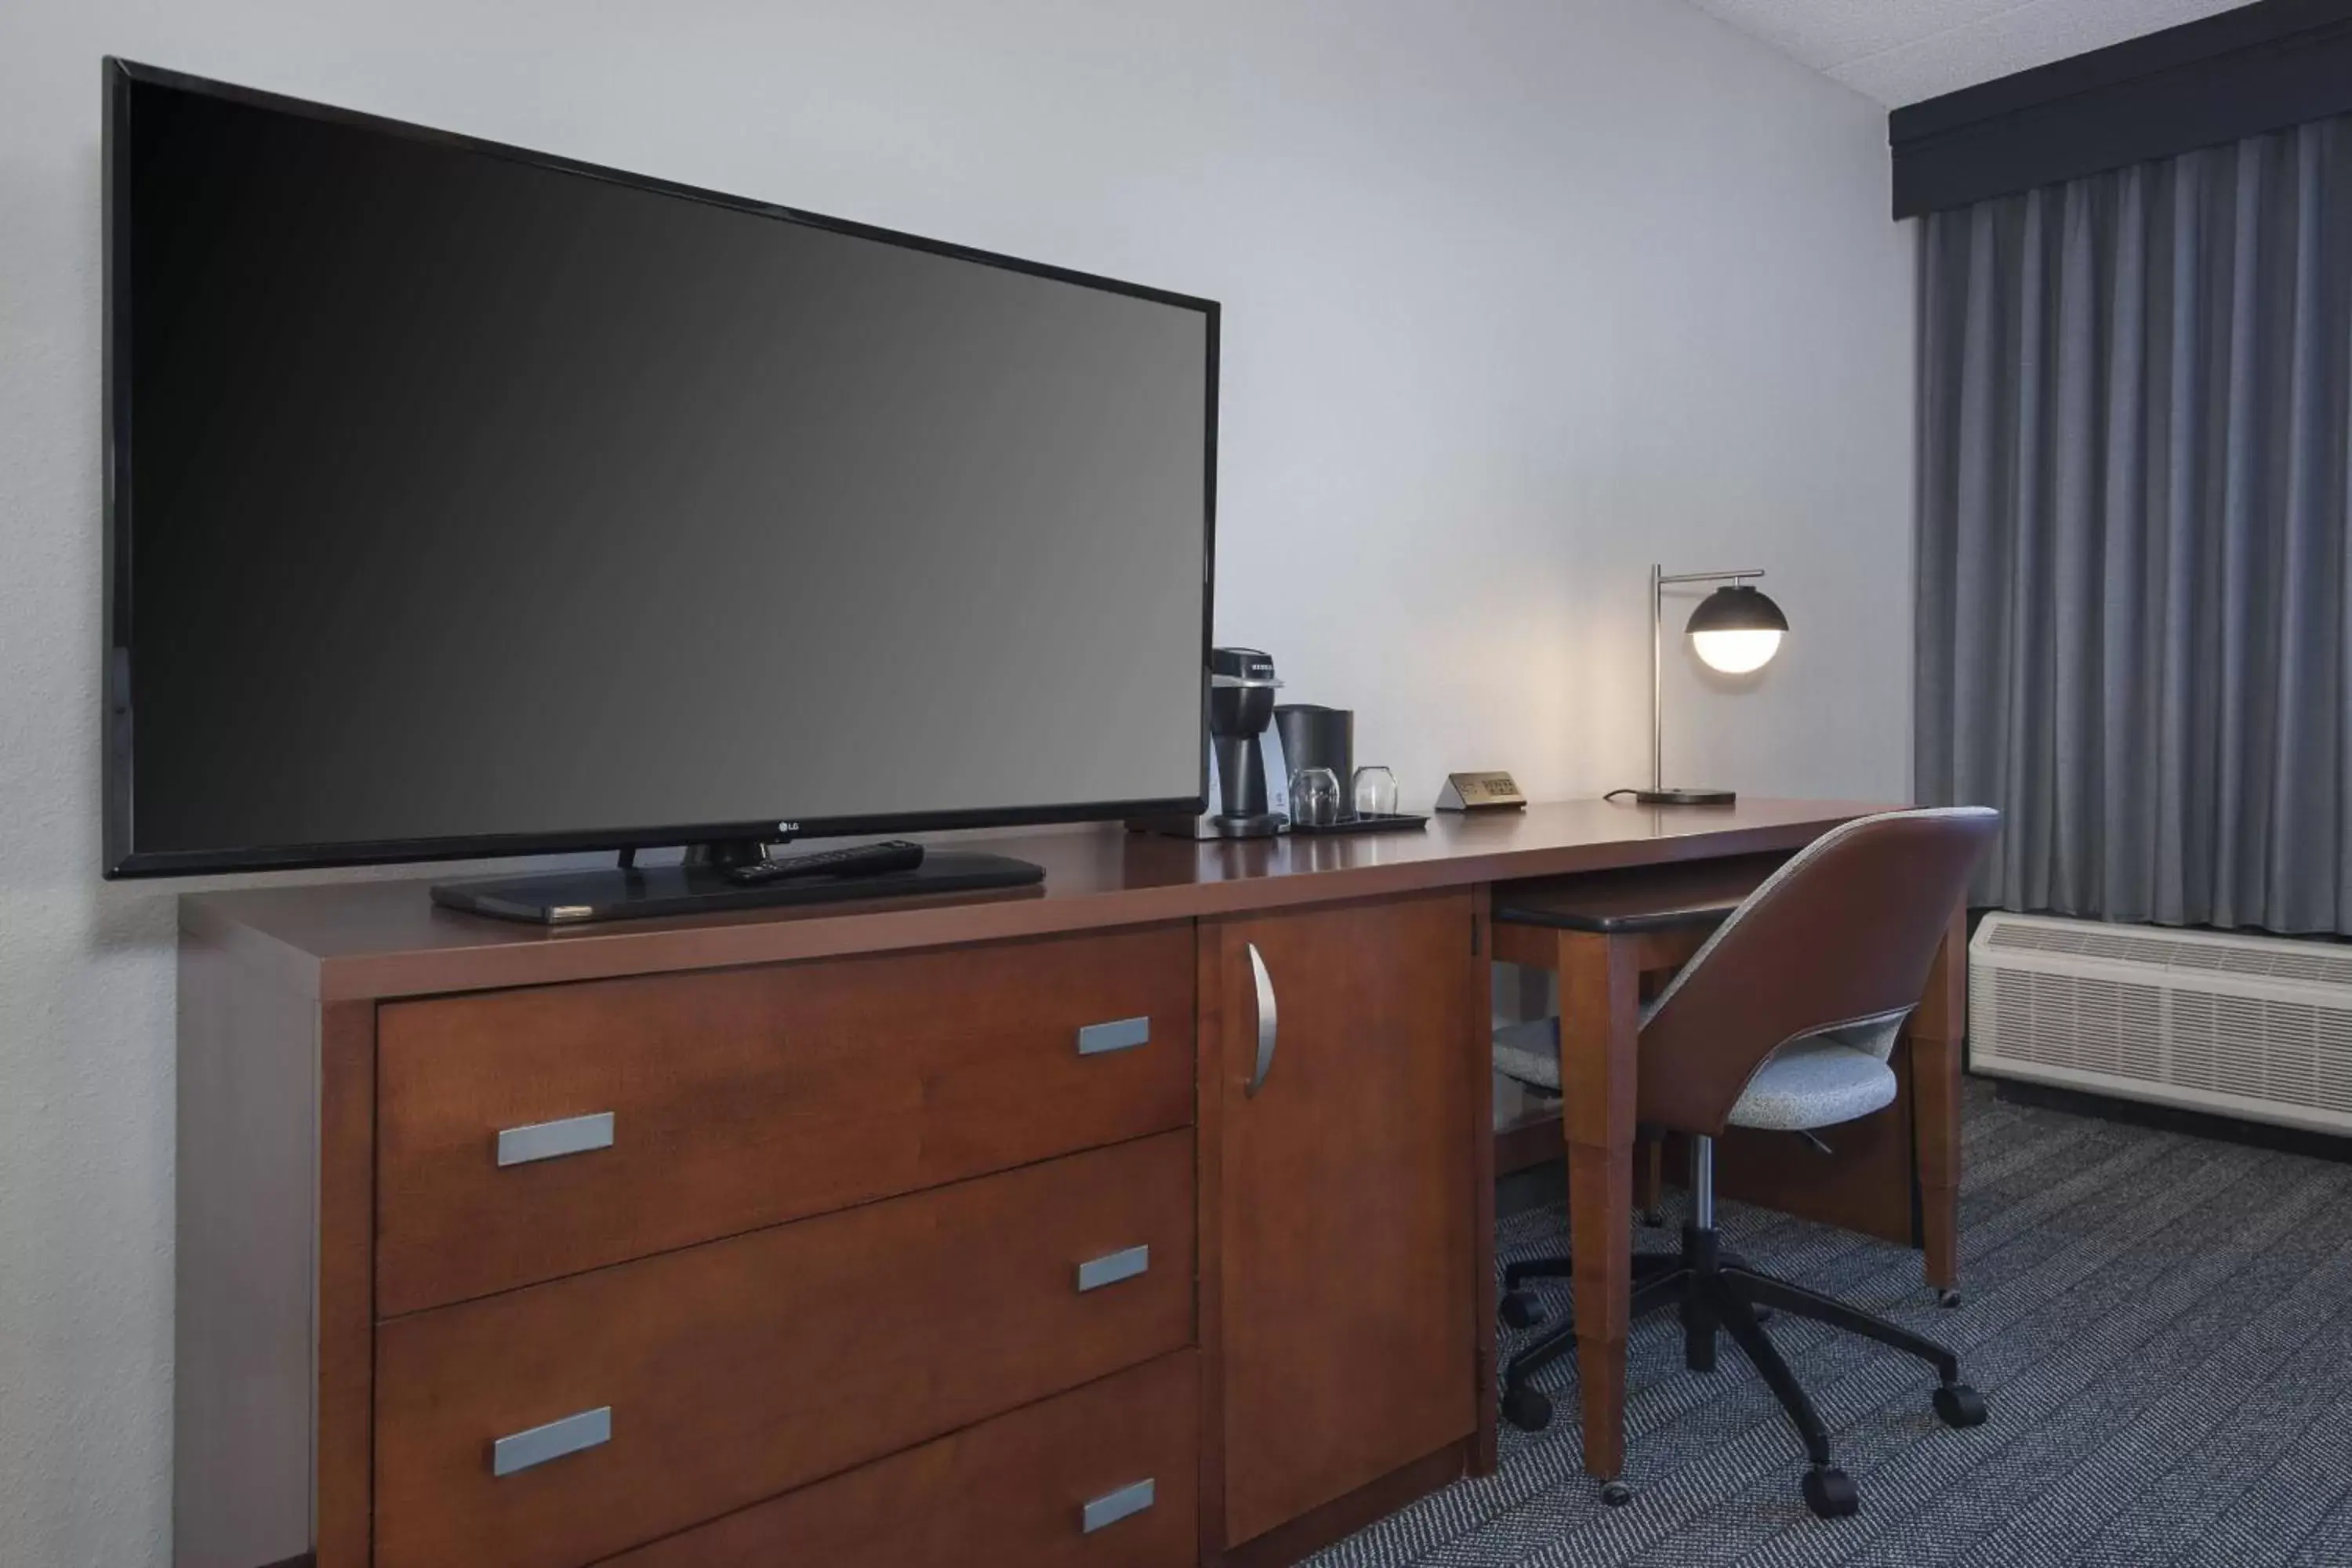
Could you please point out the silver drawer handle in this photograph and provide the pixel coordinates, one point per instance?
(1266, 1024)
(1113, 1267)
(553, 1139)
(1120, 1035)
(588, 1430)
(1112, 1507)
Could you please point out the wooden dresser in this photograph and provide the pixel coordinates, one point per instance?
(1141, 1220)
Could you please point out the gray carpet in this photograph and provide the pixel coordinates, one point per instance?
(2162, 1325)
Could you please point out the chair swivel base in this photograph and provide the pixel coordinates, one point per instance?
(1521, 1308)
(1525, 1406)
(1715, 1293)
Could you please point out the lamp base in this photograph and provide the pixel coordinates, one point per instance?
(1686, 797)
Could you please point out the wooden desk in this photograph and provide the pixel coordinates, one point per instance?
(810, 1122)
(1613, 938)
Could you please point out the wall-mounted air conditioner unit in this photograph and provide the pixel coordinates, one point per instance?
(2258, 1027)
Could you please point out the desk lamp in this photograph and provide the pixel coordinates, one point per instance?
(1734, 629)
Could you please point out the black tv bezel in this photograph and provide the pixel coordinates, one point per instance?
(123, 859)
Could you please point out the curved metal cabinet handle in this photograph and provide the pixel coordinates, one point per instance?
(1266, 1023)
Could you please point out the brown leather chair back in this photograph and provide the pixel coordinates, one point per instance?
(1845, 931)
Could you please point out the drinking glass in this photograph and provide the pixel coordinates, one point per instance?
(1313, 797)
(1375, 790)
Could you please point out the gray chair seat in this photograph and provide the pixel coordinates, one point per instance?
(1814, 1082)
(1817, 1081)
(1529, 1053)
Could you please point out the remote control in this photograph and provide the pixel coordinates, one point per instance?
(855, 861)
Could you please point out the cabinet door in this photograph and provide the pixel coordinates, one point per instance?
(1344, 1198)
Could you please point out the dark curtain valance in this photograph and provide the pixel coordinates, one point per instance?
(2246, 71)
(2135, 594)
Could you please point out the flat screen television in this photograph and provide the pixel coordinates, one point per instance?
(464, 500)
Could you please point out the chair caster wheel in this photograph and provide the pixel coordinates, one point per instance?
(1830, 1492)
(1616, 1494)
(1526, 1408)
(1947, 1300)
(1959, 1405)
(1519, 1309)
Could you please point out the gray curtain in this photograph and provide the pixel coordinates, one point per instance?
(2135, 598)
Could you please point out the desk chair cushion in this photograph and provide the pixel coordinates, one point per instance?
(1815, 1082)
(1529, 1054)
(1819, 1081)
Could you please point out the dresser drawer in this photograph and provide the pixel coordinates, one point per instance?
(635, 1401)
(1103, 1476)
(634, 1116)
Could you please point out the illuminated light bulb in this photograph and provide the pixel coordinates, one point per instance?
(1736, 652)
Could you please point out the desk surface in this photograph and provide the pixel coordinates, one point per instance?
(381, 938)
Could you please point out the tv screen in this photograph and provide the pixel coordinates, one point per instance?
(463, 500)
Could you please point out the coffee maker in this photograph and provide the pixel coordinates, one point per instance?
(1245, 770)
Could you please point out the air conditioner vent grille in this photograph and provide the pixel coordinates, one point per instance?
(2253, 1026)
(2279, 958)
(2088, 1025)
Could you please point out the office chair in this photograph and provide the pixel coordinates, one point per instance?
(1784, 1019)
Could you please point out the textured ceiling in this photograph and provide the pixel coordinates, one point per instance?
(1900, 51)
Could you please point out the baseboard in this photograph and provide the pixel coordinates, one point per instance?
(2176, 1118)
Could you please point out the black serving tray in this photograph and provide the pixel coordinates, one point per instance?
(1390, 821)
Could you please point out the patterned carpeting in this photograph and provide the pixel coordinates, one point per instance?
(2162, 1324)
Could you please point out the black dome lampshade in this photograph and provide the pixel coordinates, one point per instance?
(1737, 629)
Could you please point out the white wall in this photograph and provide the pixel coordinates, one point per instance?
(1518, 295)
